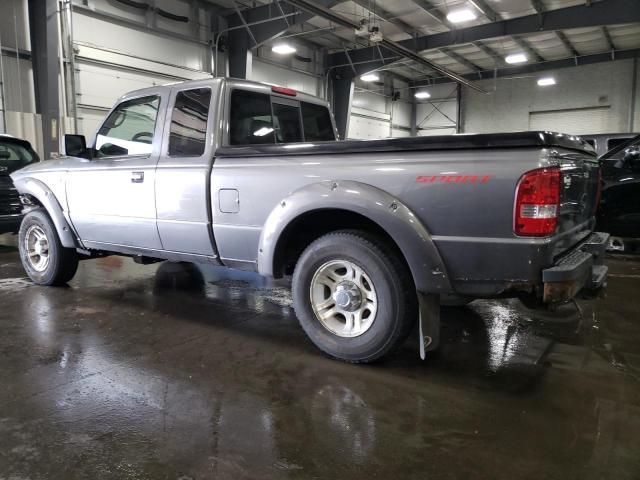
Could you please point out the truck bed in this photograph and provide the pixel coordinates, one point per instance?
(430, 143)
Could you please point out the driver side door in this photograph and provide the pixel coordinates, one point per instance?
(111, 198)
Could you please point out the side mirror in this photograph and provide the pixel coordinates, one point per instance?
(75, 146)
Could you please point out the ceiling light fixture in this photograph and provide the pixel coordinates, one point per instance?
(422, 95)
(283, 49)
(370, 77)
(515, 58)
(459, 16)
(546, 81)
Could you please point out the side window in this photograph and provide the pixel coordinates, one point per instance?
(286, 119)
(250, 121)
(188, 133)
(614, 142)
(620, 154)
(129, 129)
(317, 123)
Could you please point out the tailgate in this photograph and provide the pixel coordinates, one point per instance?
(579, 195)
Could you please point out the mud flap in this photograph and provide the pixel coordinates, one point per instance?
(429, 322)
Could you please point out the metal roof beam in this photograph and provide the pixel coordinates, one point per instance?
(436, 14)
(486, 10)
(460, 59)
(605, 12)
(524, 45)
(549, 65)
(538, 6)
(489, 51)
(269, 21)
(383, 46)
(607, 36)
(567, 43)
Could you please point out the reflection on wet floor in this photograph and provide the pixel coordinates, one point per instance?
(184, 371)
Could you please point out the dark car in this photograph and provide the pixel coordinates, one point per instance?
(14, 154)
(619, 212)
(604, 142)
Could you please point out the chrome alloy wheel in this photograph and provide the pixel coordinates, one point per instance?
(36, 246)
(343, 298)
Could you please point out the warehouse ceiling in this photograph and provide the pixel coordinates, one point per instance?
(406, 21)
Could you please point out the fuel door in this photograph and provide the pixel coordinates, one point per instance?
(229, 200)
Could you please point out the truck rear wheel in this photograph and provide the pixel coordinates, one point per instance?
(43, 257)
(354, 296)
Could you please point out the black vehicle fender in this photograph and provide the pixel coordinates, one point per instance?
(396, 219)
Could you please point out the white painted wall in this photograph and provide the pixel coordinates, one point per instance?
(14, 24)
(509, 105)
(262, 71)
(114, 59)
(15, 73)
(374, 115)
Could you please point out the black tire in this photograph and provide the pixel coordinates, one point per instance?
(397, 305)
(63, 262)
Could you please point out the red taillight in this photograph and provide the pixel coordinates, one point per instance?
(284, 91)
(537, 203)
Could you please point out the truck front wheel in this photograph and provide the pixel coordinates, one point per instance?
(43, 257)
(354, 296)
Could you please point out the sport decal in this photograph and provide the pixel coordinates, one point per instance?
(454, 178)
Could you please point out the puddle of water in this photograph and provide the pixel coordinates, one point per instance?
(14, 284)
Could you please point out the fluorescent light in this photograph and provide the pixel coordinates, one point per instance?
(516, 58)
(422, 95)
(546, 81)
(283, 49)
(459, 16)
(370, 77)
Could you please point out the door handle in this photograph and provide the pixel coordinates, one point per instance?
(137, 177)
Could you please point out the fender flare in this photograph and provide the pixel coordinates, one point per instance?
(396, 219)
(45, 197)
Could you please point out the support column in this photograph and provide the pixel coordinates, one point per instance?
(43, 28)
(239, 54)
(343, 85)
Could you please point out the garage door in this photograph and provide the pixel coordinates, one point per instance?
(578, 121)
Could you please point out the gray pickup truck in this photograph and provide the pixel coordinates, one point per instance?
(376, 234)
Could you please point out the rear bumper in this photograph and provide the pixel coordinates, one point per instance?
(582, 267)
(10, 223)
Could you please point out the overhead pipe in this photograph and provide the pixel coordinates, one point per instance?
(388, 44)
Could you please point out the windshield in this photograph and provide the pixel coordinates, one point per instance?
(14, 156)
(617, 152)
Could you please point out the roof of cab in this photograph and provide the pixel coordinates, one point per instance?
(233, 83)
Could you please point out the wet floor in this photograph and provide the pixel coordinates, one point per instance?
(170, 371)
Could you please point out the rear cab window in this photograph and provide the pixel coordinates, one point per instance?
(317, 123)
(263, 119)
(188, 132)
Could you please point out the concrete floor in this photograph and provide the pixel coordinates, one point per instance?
(152, 372)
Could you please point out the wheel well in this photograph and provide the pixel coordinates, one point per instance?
(31, 201)
(312, 225)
